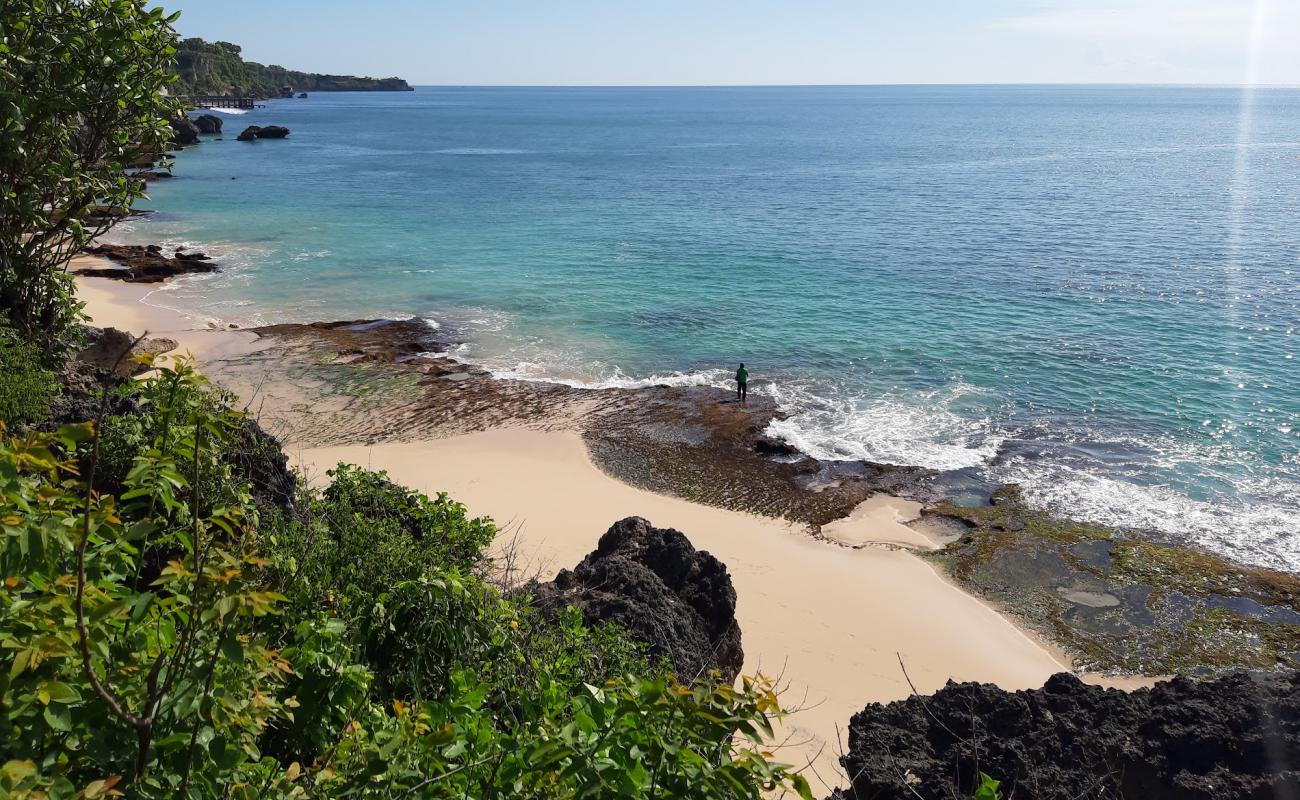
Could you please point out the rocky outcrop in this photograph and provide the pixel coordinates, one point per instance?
(111, 350)
(302, 95)
(145, 263)
(1234, 737)
(184, 131)
(678, 600)
(263, 132)
(208, 123)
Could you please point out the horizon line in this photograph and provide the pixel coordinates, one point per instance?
(918, 84)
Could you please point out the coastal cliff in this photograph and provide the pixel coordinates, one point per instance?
(218, 68)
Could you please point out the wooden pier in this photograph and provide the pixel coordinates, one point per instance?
(212, 101)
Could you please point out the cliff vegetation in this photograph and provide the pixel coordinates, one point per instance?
(218, 68)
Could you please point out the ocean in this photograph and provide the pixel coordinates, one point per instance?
(1091, 291)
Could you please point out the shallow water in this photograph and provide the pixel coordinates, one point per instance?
(1093, 291)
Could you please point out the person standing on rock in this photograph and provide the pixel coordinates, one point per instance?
(742, 383)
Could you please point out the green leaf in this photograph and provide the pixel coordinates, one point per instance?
(59, 718)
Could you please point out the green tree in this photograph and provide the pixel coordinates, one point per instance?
(82, 98)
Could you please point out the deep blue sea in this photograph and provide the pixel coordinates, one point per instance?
(1093, 291)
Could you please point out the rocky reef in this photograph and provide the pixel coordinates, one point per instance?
(1116, 600)
(1123, 600)
(145, 263)
(1234, 737)
(678, 600)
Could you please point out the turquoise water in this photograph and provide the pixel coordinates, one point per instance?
(1093, 291)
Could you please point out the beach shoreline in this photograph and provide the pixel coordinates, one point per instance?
(835, 617)
(857, 582)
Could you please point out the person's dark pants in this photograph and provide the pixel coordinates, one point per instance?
(742, 390)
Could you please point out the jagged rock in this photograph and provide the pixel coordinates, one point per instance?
(678, 600)
(248, 134)
(111, 350)
(1234, 737)
(260, 461)
(272, 132)
(302, 95)
(184, 131)
(145, 264)
(152, 175)
(208, 123)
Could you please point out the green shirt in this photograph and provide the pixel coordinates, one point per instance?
(742, 375)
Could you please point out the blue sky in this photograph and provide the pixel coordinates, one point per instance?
(766, 42)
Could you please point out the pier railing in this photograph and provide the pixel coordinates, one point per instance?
(213, 101)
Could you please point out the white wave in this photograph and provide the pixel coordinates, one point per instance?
(1263, 532)
(234, 112)
(884, 430)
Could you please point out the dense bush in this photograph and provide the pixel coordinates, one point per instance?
(168, 638)
(27, 386)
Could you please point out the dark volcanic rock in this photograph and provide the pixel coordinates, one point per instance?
(184, 131)
(302, 95)
(260, 460)
(248, 134)
(145, 264)
(208, 123)
(677, 600)
(1234, 737)
(272, 132)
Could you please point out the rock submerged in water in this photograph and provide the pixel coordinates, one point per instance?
(208, 123)
(145, 264)
(263, 132)
(677, 600)
(1234, 737)
(184, 131)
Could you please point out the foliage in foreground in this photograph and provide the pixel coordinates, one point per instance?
(170, 638)
(82, 98)
(27, 386)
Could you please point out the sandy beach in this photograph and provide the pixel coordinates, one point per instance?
(832, 615)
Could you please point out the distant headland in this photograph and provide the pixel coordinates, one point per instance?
(217, 68)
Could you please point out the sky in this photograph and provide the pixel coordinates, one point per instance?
(717, 42)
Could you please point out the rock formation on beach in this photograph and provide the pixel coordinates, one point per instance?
(112, 350)
(678, 600)
(1234, 737)
(145, 263)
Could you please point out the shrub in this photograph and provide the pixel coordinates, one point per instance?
(164, 642)
(27, 386)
